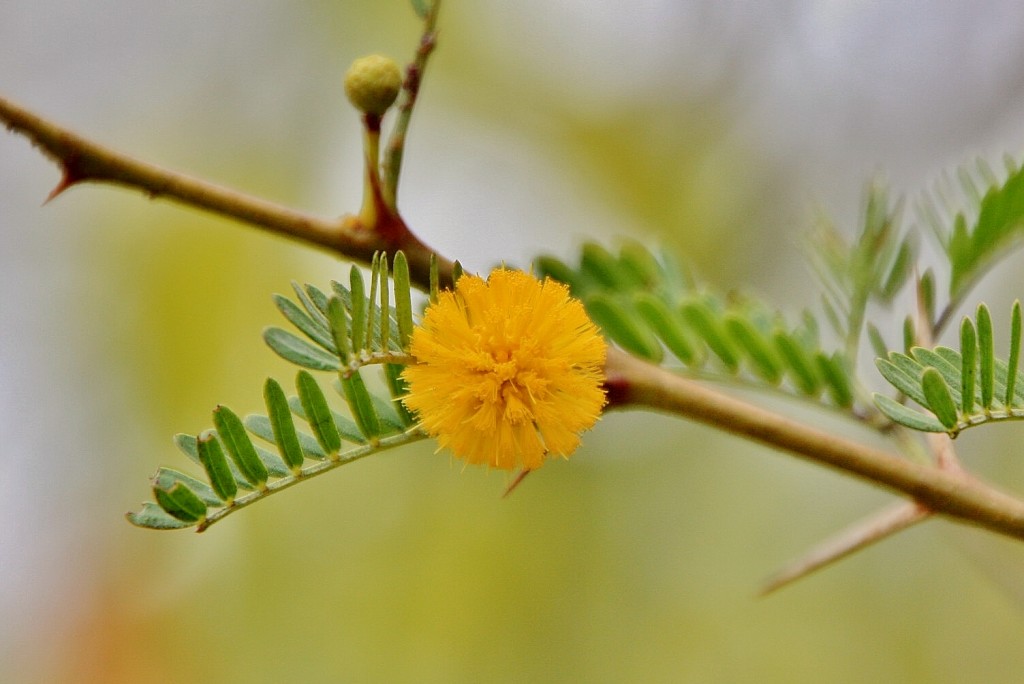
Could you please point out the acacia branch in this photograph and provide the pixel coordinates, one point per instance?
(631, 382)
(952, 493)
(890, 521)
(84, 161)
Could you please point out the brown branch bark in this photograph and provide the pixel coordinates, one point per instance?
(955, 494)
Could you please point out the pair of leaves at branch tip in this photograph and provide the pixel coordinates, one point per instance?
(962, 388)
(984, 231)
(648, 304)
(239, 471)
(348, 329)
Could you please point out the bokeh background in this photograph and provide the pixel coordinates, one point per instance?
(718, 129)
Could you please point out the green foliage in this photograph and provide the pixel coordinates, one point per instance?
(990, 227)
(423, 8)
(873, 267)
(962, 388)
(649, 305)
(341, 332)
(344, 330)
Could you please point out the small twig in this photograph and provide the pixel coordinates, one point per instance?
(868, 532)
(859, 536)
(889, 521)
(410, 92)
(881, 525)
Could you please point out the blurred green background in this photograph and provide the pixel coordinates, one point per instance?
(712, 128)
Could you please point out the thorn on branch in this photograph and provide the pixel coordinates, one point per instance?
(70, 174)
(857, 537)
(515, 483)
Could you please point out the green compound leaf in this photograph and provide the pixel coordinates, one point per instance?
(642, 266)
(962, 388)
(652, 307)
(349, 328)
(988, 228)
(926, 293)
(181, 500)
(874, 266)
(435, 278)
(340, 332)
(909, 335)
(552, 267)
(310, 298)
(167, 478)
(949, 366)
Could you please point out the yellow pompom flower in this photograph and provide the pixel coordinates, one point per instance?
(509, 370)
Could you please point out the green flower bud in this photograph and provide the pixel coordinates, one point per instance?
(372, 83)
